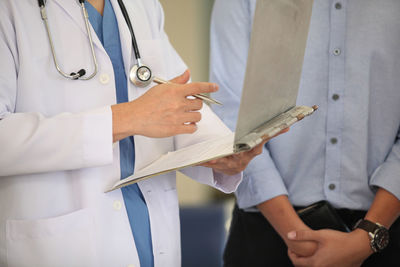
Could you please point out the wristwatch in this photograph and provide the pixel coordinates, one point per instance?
(378, 234)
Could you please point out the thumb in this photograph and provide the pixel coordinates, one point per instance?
(304, 235)
(182, 79)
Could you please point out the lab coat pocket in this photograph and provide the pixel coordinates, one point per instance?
(59, 241)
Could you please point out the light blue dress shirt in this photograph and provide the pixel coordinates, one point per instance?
(351, 71)
(106, 28)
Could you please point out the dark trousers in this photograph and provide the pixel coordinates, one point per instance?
(253, 242)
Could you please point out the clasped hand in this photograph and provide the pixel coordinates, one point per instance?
(334, 248)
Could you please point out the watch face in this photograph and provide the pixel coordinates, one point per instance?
(381, 238)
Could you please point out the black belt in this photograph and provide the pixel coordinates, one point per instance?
(349, 216)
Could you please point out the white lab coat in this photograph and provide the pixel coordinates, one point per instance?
(56, 152)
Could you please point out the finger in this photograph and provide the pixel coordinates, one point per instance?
(182, 79)
(265, 140)
(257, 150)
(191, 117)
(282, 132)
(199, 88)
(221, 164)
(298, 261)
(187, 128)
(304, 235)
(209, 164)
(193, 104)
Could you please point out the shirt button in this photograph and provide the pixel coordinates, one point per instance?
(335, 97)
(332, 187)
(338, 5)
(334, 141)
(117, 205)
(337, 51)
(104, 78)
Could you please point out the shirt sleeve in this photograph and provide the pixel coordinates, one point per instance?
(387, 175)
(33, 143)
(231, 25)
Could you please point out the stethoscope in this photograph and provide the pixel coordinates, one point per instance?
(140, 74)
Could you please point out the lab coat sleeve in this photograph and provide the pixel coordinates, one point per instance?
(231, 25)
(387, 175)
(210, 125)
(33, 143)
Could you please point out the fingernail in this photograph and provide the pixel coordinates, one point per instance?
(215, 87)
(291, 235)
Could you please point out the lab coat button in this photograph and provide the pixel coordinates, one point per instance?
(104, 78)
(131, 265)
(117, 205)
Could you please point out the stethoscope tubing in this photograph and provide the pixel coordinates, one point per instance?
(136, 76)
(79, 74)
(128, 22)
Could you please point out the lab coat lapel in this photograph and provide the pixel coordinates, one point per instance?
(125, 36)
(74, 10)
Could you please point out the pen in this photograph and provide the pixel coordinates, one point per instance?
(203, 97)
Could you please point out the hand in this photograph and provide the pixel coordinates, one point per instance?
(334, 248)
(304, 248)
(162, 111)
(236, 163)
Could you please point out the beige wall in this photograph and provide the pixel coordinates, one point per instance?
(187, 24)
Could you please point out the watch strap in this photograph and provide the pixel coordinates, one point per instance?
(366, 225)
(377, 233)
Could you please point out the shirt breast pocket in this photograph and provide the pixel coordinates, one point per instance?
(66, 240)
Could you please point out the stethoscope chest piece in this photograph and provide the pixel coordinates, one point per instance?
(140, 76)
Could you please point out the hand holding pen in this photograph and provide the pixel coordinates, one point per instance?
(201, 96)
(163, 110)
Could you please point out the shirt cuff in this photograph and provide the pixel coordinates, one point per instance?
(261, 182)
(225, 183)
(98, 137)
(387, 176)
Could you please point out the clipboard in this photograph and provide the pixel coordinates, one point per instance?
(268, 101)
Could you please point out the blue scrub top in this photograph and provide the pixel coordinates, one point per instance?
(106, 28)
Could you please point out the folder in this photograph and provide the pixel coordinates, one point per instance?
(268, 101)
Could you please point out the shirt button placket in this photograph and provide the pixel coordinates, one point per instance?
(335, 107)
